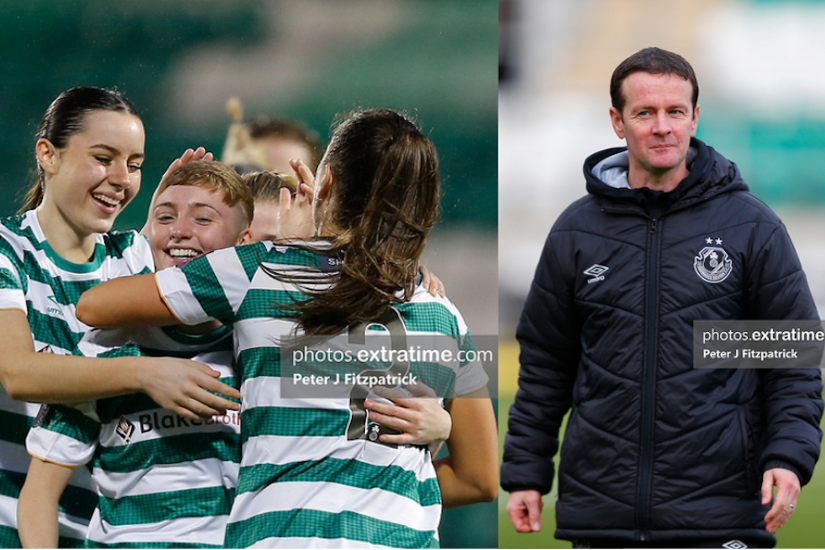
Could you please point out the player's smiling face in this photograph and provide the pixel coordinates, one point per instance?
(657, 121)
(188, 221)
(95, 176)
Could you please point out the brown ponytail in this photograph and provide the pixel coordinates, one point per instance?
(385, 200)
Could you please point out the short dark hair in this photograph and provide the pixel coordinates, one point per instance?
(654, 61)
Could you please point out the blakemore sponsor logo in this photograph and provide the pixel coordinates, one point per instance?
(164, 420)
(161, 420)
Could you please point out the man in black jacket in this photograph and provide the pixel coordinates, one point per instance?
(656, 452)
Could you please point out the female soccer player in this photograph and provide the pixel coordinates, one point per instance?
(89, 152)
(315, 470)
(162, 480)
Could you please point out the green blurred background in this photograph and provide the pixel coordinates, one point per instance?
(179, 61)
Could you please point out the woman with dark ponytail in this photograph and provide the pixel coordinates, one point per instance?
(89, 151)
(317, 469)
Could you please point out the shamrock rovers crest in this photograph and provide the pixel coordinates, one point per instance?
(713, 264)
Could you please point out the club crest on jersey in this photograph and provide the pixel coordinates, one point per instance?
(713, 265)
(125, 429)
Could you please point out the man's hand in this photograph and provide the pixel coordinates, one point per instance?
(524, 508)
(787, 493)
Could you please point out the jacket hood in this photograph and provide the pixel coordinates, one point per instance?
(711, 174)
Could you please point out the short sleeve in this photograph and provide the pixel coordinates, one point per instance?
(64, 434)
(471, 375)
(210, 287)
(12, 291)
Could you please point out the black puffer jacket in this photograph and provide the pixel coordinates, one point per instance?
(654, 449)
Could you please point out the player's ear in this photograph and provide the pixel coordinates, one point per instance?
(695, 122)
(246, 237)
(325, 185)
(616, 121)
(47, 155)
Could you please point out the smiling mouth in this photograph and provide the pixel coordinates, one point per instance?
(108, 201)
(183, 253)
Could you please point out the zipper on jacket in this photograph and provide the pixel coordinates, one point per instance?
(649, 365)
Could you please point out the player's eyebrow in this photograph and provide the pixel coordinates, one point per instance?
(115, 150)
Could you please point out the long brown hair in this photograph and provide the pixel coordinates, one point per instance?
(384, 199)
(64, 118)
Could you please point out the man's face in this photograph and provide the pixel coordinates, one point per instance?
(657, 122)
(188, 221)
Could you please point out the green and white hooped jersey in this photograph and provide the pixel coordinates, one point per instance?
(35, 280)
(311, 476)
(164, 481)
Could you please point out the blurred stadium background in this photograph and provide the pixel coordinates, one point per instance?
(179, 62)
(762, 93)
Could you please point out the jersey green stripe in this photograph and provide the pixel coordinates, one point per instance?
(177, 449)
(53, 330)
(120, 241)
(70, 422)
(93, 544)
(75, 501)
(11, 483)
(14, 427)
(9, 280)
(9, 538)
(345, 472)
(469, 345)
(66, 542)
(256, 362)
(268, 303)
(69, 291)
(220, 338)
(78, 502)
(294, 422)
(14, 223)
(290, 255)
(211, 297)
(428, 317)
(314, 523)
(250, 257)
(112, 408)
(157, 507)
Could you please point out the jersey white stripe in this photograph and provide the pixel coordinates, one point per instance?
(336, 498)
(170, 477)
(204, 531)
(315, 542)
(268, 449)
(261, 332)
